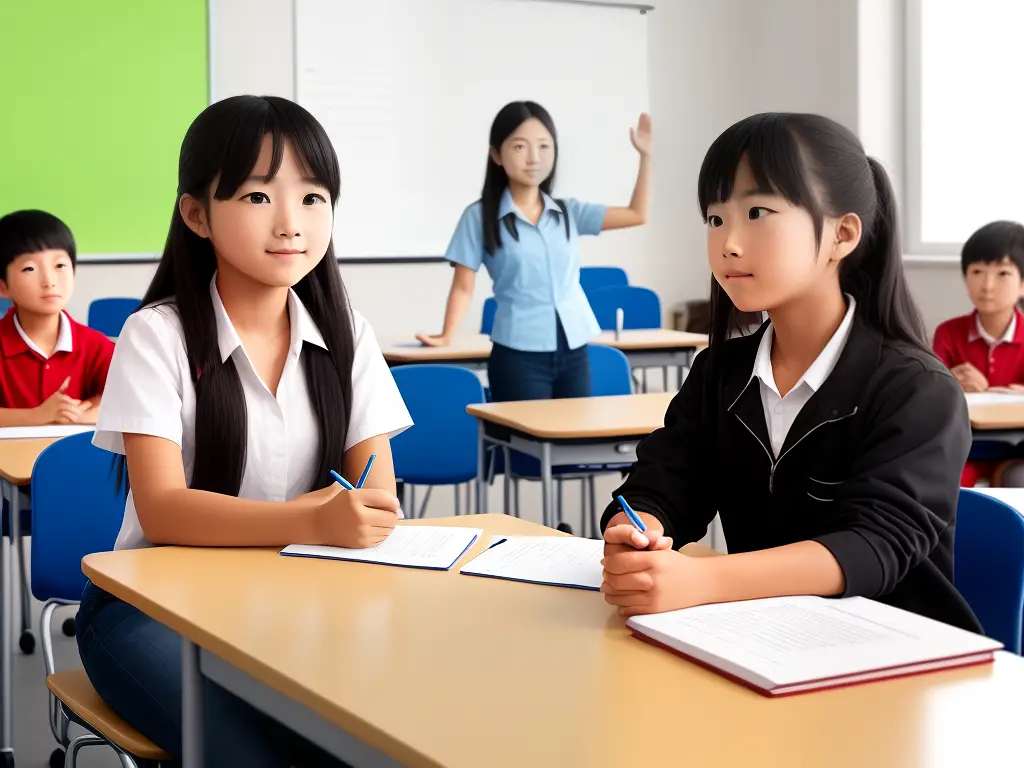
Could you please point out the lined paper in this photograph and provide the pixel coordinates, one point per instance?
(420, 546)
(562, 561)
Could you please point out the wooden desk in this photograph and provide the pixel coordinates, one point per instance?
(395, 666)
(652, 348)
(589, 430)
(17, 458)
(997, 416)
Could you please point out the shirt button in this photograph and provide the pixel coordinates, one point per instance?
(47, 366)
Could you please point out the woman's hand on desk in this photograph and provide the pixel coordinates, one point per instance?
(356, 519)
(433, 340)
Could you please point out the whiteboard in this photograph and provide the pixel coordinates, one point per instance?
(407, 91)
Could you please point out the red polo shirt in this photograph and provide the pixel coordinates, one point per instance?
(27, 378)
(958, 341)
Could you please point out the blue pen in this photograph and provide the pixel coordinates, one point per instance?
(634, 518)
(342, 481)
(362, 477)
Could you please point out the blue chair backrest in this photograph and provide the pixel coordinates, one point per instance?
(595, 278)
(641, 307)
(108, 315)
(5, 304)
(76, 510)
(490, 310)
(441, 448)
(988, 564)
(609, 371)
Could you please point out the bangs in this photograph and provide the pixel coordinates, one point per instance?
(770, 148)
(284, 121)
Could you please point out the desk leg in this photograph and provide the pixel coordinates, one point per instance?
(6, 649)
(481, 471)
(18, 553)
(191, 706)
(545, 482)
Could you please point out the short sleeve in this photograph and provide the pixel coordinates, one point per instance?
(467, 244)
(589, 217)
(377, 405)
(143, 392)
(943, 345)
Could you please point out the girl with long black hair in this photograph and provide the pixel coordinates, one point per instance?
(236, 389)
(831, 440)
(529, 243)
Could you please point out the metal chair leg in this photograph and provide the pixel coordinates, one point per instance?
(584, 528)
(560, 499)
(458, 501)
(26, 598)
(594, 523)
(515, 489)
(86, 740)
(508, 480)
(127, 761)
(426, 500)
(411, 492)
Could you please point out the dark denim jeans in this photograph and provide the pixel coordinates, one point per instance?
(516, 375)
(134, 662)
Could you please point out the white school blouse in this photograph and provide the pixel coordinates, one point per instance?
(149, 391)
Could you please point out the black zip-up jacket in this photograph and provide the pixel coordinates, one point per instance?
(870, 469)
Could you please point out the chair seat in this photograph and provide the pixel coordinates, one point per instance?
(72, 687)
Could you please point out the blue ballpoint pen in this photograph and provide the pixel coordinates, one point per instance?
(342, 481)
(634, 518)
(369, 463)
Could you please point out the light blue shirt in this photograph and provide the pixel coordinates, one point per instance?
(537, 278)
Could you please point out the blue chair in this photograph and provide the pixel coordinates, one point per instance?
(442, 446)
(5, 304)
(77, 510)
(609, 375)
(988, 564)
(108, 315)
(595, 278)
(490, 310)
(641, 308)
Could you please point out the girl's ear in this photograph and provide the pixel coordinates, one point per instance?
(847, 232)
(496, 157)
(195, 215)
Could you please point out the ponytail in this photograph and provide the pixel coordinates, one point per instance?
(873, 273)
(820, 166)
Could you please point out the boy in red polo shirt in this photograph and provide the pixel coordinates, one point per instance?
(985, 349)
(52, 369)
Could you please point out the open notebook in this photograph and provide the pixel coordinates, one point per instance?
(786, 645)
(412, 546)
(562, 561)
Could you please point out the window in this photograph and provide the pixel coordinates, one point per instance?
(965, 119)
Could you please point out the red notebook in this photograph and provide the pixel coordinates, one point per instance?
(787, 645)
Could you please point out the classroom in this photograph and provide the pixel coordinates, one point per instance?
(694, 331)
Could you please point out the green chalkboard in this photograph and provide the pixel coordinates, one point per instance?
(97, 96)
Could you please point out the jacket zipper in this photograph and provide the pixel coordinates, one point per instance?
(771, 456)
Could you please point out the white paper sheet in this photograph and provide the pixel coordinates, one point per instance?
(562, 561)
(412, 546)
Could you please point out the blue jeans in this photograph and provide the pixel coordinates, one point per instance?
(516, 375)
(134, 662)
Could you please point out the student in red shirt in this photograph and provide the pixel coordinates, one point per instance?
(985, 349)
(52, 369)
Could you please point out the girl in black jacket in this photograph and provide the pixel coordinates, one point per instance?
(831, 441)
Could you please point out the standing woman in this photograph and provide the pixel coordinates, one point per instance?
(529, 243)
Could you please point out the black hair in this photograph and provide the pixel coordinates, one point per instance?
(993, 243)
(224, 143)
(818, 165)
(510, 117)
(32, 231)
